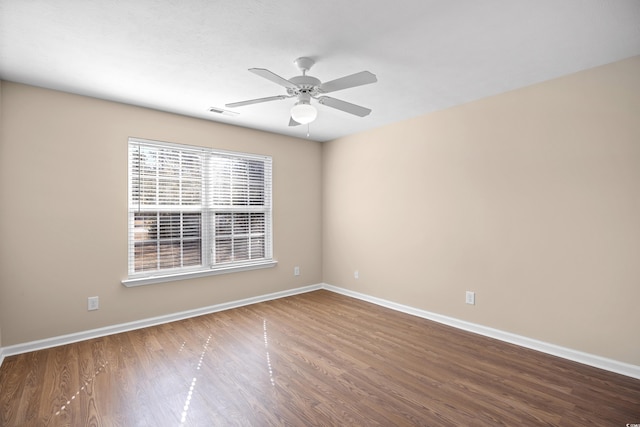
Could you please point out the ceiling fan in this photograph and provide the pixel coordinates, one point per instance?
(305, 87)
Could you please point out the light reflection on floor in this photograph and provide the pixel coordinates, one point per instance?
(266, 346)
(187, 402)
(205, 346)
(83, 388)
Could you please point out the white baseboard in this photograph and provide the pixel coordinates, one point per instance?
(555, 350)
(139, 324)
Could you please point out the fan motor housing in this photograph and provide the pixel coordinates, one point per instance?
(306, 84)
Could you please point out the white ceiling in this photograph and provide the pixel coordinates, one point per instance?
(186, 56)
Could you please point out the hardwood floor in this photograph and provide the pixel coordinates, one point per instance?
(314, 359)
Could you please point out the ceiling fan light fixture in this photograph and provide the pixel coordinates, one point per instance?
(303, 112)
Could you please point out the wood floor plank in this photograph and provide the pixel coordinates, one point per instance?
(314, 359)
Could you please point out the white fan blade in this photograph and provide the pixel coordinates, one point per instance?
(255, 101)
(347, 107)
(293, 122)
(357, 79)
(273, 77)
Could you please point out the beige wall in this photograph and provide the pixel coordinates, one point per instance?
(63, 213)
(530, 198)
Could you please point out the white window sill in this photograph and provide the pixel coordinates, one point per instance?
(162, 278)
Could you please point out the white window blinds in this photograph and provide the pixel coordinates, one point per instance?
(241, 206)
(192, 208)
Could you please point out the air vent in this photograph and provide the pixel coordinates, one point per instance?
(222, 111)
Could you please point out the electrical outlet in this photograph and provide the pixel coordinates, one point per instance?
(470, 298)
(296, 271)
(356, 274)
(93, 303)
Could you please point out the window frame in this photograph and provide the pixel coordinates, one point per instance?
(208, 210)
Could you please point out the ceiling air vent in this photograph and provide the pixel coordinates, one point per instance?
(222, 111)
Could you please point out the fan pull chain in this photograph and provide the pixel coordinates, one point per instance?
(307, 130)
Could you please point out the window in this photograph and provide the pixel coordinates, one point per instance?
(196, 211)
